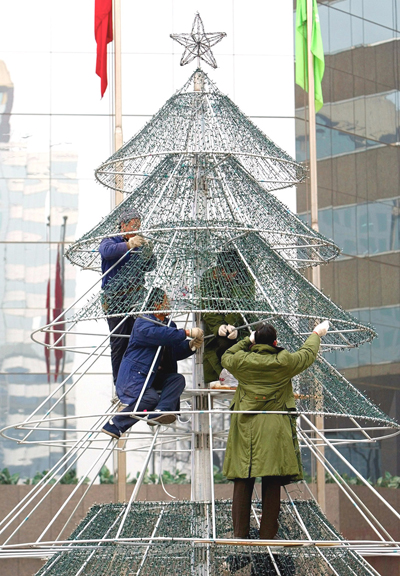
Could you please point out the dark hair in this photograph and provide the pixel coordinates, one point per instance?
(265, 334)
(156, 297)
(127, 215)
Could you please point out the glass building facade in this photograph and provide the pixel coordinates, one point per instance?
(359, 199)
(51, 138)
(55, 131)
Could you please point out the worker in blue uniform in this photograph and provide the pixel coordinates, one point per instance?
(142, 366)
(115, 253)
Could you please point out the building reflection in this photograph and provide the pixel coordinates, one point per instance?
(358, 185)
(6, 102)
(38, 188)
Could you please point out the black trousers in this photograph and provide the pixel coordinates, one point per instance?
(241, 506)
(119, 345)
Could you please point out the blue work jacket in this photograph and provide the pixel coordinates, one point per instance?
(112, 249)
(145, 338)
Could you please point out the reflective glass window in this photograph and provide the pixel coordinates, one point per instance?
(349, 23)
(330, 142)
(384, 349)
(374, 33)
(349, 125)
(339, 31)
(379, 12)
(357, 31)
(323, 13)
(356, 7)
(361, 229)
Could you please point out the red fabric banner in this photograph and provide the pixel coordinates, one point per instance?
(58, 308)
(103, 33)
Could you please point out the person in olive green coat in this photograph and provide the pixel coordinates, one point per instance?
(224, 335)
(222, 287)
(264, 444)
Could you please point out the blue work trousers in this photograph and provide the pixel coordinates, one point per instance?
(118, 345)
(167, 400)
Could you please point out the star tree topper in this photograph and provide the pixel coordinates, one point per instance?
(198, 43)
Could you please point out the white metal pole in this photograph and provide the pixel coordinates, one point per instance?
(120, 457)
(118, 141)
(316, 277)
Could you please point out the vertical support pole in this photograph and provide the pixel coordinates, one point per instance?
(63, 342)
(201, 452)
(201, 489)
(316, 276)
(120, 456)
(201, 478)
(118, 137)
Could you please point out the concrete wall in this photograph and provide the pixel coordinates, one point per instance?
(340, 512)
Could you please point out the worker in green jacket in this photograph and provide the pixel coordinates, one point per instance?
(223, 287)
(264, 444)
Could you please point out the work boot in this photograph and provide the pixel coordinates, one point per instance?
(154, 418)
(112, 430)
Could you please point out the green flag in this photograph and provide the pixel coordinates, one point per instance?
(316, 49)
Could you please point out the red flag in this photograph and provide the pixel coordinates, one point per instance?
(103, 33)
(47, 334)
(58, 306)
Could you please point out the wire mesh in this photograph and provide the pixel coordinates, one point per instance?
(199, 174)
(246, 277)
(200, 122)
(233, 203)
(163, 523)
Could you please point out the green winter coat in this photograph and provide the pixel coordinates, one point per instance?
(215, 347)
(265, 444)
(214, 287)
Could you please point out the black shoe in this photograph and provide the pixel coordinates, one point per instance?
(111, 430)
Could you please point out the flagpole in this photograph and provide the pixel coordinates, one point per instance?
(62, 367)
(316, 276)
(120, 457)
(118, 140)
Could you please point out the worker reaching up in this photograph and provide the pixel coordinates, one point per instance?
(264, 445)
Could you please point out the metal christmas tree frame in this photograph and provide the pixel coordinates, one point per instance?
(199, 119)
(201, 175)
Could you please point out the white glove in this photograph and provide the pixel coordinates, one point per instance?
(135, 242)
(147, 251)
(196, 343)
(223, 330)
(232, 332)
(322, 329)
(196, 333)
(253, 337)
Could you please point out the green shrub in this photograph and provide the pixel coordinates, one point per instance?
(388, 481)
(37, 478)
(105, 476)
(69, 477)
(167, 477)
(7, 478)
(219, 478)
